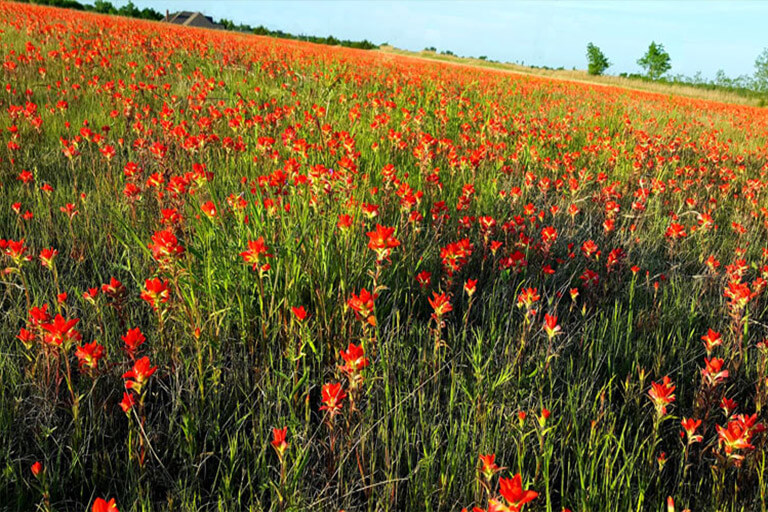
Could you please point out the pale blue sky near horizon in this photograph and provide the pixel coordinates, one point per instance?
(703, 36)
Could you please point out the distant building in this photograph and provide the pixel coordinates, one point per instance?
(191, 19)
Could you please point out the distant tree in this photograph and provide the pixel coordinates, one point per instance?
(104, 7)
(761, 71)
(430, 49)
(655, 61)
(148, 13)
(129, 9)
(597, 61)
(698, 78)
(722, 79)
(227, 24)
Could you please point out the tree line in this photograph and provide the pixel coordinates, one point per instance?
(103, 7)
(130, 10)
(329, 40)
(656, 62)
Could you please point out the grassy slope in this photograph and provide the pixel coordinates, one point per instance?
(581, 76)
(425, 411)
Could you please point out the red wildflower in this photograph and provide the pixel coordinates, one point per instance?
(39, 315)
(381, 241)
(333, 394)
(711, 340)
(713, 372)
(299, 312)
(735, 437)
(140, 373)
(354, 359)
(662, 394)
(512, 491)
(344, 222)
(257, 251)
(209, 209)
(488, 467)
(113, 288)
(527, 298)
(17, 251)
(441, 305)
(47, 256)
(455, 255)
(61, 332)
(689, 426)
(165, 246)
(550, 326)
(128, 401)
(363, 305)
(69, 209)
(104, 506)
(278, 441)
(675, 231)
(155, 292)
(728, 406)
(548, 237)
(738, 295)
(423, 278)
(133, 339)
(26, 337)
(89, 355)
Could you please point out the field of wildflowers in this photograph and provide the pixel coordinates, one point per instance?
(241, 273)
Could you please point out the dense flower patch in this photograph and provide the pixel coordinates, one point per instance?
(242, 273)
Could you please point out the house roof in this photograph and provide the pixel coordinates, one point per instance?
(192, 19)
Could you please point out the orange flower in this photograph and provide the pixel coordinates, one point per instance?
(128, 401)
(689, 426)
(89, 356)
(550, 326)
(155, 292)
(488, 467)
(354, 359)
(140, 373)
(257, 251)
(423, 278)
(662, 394)
(470, 287)
(382, 242)
(61, 332)
(104, 506)
(299, 312)
(333, 394)
(133, 339)
(363, 306)
(278, 441)
(514, 494)
(713, 372)
(441, 306)
(711, 340)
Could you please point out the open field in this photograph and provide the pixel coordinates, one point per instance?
(580, 75)
(409, 266)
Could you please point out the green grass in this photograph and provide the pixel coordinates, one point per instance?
(233, 362)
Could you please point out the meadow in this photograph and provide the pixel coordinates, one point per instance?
(240, 273)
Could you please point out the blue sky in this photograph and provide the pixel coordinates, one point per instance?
(699, 35)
